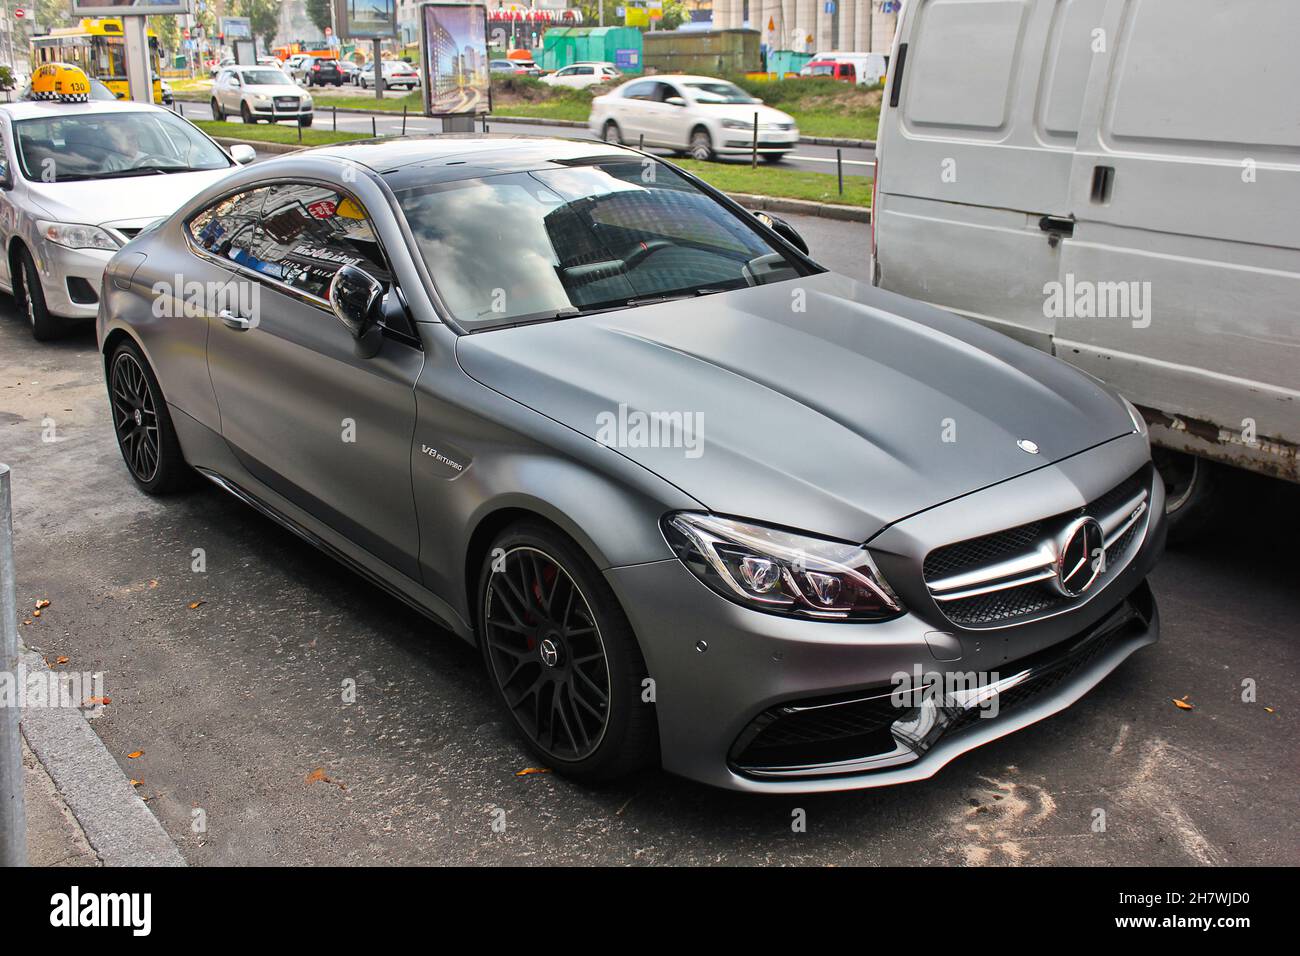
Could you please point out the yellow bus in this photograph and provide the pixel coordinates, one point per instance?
(98, 47)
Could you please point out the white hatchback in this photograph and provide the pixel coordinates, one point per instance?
(699, 115)
(582, 75)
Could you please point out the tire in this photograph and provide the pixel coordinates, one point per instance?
(305, 121)
(701, 146)
(772, 158)
(338, 82)
(246, 114)
(152, 453)
(551, 669)
(216, 111)
(45, 327)
(610, 133)
(1192, 502)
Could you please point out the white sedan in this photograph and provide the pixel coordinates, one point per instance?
(396, 73)
(582, 75)
(700, 115)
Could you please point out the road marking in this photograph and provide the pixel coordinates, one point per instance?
(830, 159)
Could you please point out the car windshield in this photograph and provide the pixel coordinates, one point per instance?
(112, 144)
(718, 91)
(553, 243)
(268, 77)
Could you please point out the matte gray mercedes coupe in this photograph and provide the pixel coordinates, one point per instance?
(699, 501)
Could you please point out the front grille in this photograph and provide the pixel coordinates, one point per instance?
(286, 102)
(980, 564)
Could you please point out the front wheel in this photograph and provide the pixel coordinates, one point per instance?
(246, 114)
(216, 111)
(562, 656)
(701, 145)
(304, 121)
(44, 326)
(143, 425)
(773, 157)
(610, 133)
(1191, 499)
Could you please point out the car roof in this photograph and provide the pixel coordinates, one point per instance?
(410, 161)
(682, 78)
(44, 109)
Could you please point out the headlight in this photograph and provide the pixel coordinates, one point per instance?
(306, 102)
(736, 124)
(780, 572)
(1139, 422)
(75, 236)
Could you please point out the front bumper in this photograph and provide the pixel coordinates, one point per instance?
(279, 113)
(724, 674)
(732, 141)
(60, 268)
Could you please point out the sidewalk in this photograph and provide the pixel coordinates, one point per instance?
(54, 837)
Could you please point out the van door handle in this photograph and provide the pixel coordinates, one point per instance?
(1058, 225)
(237, 322)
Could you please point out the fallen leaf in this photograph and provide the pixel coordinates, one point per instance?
(135, 753)
(36, 613)
(42, 603)
(1269, 710)
(60, 660)
(319, 776)
(98, 701)
(153, 583)
(25, 623)
(136, 783)
(196, 604)
(530, 770)
(1183, 705)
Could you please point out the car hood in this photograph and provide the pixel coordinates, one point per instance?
(858, 411)
(99, 201)
(744, 112)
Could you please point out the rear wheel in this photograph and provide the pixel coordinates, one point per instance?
(562, 656)
(143, 425)
(1191, 499)
(701, 145)
(610, 133)
(216, 111)
(44, 325)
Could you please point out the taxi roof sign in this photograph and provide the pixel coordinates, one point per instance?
(63, 82)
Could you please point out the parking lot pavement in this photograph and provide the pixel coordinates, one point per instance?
(229, 682)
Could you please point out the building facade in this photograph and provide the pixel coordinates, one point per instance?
(811, 25)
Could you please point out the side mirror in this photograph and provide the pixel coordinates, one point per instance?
(783, 229)
(357, 299)
(675, 101)
(243, 154)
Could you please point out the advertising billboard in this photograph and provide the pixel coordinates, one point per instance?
(365, 19)
(454, 46)
(126, 8)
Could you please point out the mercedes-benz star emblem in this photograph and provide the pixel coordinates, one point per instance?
(1024, 444)
(1078, 565)
(550, 654)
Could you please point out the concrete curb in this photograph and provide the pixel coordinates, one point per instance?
(801, 207)
(571, 124)
(120, 828)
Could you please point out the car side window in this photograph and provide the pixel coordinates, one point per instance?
(664, 91)
(308, 232)
(645, 90)
(226, 229)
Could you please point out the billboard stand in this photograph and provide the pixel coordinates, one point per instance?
(138, 79)
(379, 69)
(454, 58)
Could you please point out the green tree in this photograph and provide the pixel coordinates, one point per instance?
(321, 13)
(264, 18)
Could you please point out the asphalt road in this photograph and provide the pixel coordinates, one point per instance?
(807, 157)
(236, 702)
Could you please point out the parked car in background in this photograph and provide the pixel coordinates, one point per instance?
(509, 67)
(349, 70)
(524, 60)
(257, 93)
(81, 180)
(582, 75)
(867, 68)
(700, 115)
(397, 74)
(293, 65)
(216, 66)
(273, 61)
(830, 69)
(1113, 208)
(317, 71)
(772, 592)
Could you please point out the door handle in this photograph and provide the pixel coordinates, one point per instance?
(237, 322)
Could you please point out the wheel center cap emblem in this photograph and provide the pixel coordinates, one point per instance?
(139, 418)
(549, 652)
(1081, 560)
(1024, 444)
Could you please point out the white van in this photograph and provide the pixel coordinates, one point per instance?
(1078, 175)
(868, 68)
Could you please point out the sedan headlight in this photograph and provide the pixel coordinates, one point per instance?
(76, 236)
(736, 124)
(780, 572)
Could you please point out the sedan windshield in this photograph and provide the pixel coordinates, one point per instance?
(267, 77)
(553, 243)
(112, 145)
(719, 91)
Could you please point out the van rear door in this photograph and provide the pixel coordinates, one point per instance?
(1187, 194)
(976, 148)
